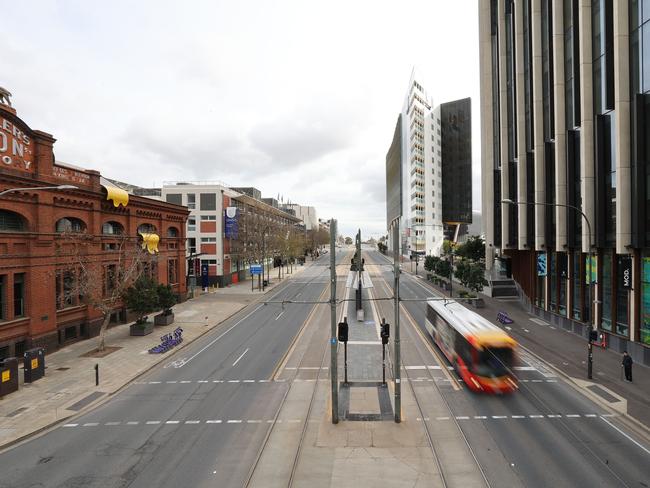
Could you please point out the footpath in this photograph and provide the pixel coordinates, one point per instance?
(567, 352)
(68, 386)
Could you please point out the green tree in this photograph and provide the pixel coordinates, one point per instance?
(447, 247)
(442, 268)
(430, 263)
(166, 298)
(473, 248)
(462, 271)
(348, 241)
(476, 277)
(142, 297)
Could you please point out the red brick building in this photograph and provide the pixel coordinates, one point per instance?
(34, 310)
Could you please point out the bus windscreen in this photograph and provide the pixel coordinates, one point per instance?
(494, 362)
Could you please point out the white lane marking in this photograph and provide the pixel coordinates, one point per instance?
(153, 422)
(363, 343)
(172, 422)
(263, 381)
(209, 344)
(480, 417)
(192, 421)
(524, 368)
(233, 381)
(442, 418)
(155, 382)
(526, 330)
(539, 321)
(623, 433)
(462, 418)
(172, 382)
(133, 423)
(554, 416)
(203, 381)
(280, 314)
(518, 416)
(213, 421)
(242, 355)
(185, 381)
(294, 421)
(70, 425)
(572, 416)
(217, 381)
(591, 415)
(253, 421)
(91, 424)
(536, 416)
(234, 422)
(249, 381)
(508, 327)
(499, 416)
(112, 423)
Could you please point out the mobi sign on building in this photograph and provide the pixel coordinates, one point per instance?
(15, 147)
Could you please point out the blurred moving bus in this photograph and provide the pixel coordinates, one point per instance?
(481, 352)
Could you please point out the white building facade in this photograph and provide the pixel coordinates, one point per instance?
(421, 227)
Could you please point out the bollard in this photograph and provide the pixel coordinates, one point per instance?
(96, 374)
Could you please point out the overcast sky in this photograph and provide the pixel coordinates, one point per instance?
(297, 98)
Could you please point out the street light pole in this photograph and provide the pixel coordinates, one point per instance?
(58, 187)
(592, 318)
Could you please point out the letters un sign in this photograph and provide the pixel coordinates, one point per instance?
(16, 147)
(625, 272)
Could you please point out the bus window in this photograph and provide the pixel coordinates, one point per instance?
(464, 350)
(496, 361)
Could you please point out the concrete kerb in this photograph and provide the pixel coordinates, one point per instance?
(100, 401)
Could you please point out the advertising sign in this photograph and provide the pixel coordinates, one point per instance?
(624, 267)
(231, 227)
(591, 269)
(205, 282)
(541, 264)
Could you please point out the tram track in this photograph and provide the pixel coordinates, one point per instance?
(444, 477)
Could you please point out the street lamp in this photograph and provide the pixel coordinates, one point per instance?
(59, 187)
(590, 355)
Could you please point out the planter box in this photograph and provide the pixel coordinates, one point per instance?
(478, 303)
(141, 329)
(162, 319)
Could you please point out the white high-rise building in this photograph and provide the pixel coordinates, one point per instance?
(421, 226)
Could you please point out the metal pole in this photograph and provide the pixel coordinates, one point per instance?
(592, 315)
(333, 361)
(397, 374)
(345, 352)
(263, 257)
(383, 364)
(451, 274)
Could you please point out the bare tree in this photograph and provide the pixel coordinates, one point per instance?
(103, 271)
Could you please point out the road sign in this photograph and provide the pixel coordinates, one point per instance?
(256, 269)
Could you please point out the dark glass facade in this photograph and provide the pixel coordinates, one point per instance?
(456, 147)
(394, 175)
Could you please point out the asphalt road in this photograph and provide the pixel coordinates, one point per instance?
(198, 419)
(546, 434)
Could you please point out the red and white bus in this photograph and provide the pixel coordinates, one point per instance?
(481, 352)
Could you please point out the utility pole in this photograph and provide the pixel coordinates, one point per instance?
(333, 358)
(396, 270)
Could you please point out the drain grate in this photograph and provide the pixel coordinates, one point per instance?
(63, 368)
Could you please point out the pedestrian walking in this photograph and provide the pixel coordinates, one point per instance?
(627, 366)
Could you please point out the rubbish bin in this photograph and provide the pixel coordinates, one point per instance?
(266, 282)
(34, 364)
(8, 376)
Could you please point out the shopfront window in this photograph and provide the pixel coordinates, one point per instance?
(644, 332)
(552, 275)
(606, 291)
(563, 275)
(576, 288)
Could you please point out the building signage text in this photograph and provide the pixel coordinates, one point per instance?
(16, 148)
(71, 175)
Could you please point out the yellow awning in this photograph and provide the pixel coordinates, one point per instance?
(150, 242)
(115, 193)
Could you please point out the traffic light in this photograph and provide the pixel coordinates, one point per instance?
(343, 330)
(385, 332)
(593, 335)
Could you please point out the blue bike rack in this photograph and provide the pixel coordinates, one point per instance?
(167, 342)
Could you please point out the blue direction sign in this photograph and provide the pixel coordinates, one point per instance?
(256, 269)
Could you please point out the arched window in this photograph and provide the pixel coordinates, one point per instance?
(172, 232)
(11, 222)
(112, 228)
(146, 229)
(70, 224)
